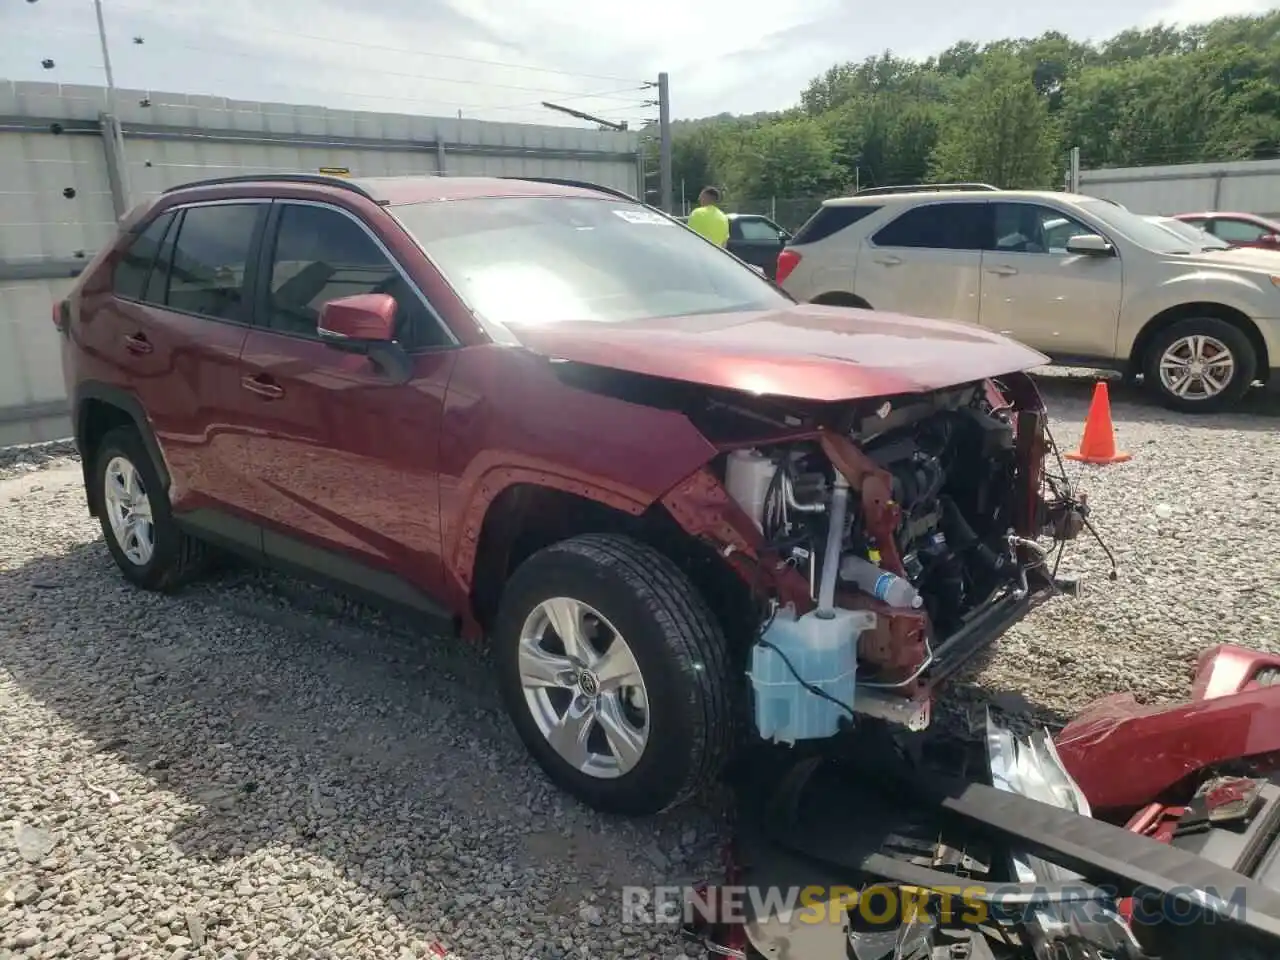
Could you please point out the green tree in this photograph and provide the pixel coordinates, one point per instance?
(999, 130)
(1006, 111)
(788, 158)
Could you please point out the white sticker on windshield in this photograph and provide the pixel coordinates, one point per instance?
(645, 216)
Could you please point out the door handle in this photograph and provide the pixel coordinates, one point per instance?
(263, 387)
(1002, 271)
(137, 344)
(888, 261)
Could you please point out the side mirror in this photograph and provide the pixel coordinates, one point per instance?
(1090, 245)
(364, 317)
(1270, 239)
(366, 324)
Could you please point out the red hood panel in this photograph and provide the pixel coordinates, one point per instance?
(806, 352)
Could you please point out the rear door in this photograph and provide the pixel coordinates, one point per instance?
(926, 262)
(343, 461)
(1063, 304)
(179, 321)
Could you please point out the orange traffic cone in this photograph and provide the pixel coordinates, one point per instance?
(1098, 445)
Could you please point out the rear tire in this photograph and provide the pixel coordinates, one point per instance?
(1176, 359)
(638, 747)
(137, 521)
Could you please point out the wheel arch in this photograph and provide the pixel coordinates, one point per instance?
(841, 298)
(1186, 311)
(527, 516)
(100, 408)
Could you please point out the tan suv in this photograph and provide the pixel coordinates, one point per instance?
(1080, 279)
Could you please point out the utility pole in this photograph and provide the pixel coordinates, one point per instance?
(1075, 170)
(664, 143)
(113, 105)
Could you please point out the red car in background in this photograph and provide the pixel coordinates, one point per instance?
(1238, 229)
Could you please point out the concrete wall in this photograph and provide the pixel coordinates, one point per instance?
(61, 188)
(1246, 186)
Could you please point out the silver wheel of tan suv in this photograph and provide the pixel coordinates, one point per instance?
(1200, 365)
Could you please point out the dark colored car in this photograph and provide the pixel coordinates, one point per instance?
(755, 240)
(541, 412)
(1237, 229)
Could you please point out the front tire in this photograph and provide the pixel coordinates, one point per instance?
(1200, 365)
(137, 522)
(615, 674)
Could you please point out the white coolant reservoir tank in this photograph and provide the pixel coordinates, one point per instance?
(824, 652)
(747, 476)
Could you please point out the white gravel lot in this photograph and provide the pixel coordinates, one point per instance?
(252, 770)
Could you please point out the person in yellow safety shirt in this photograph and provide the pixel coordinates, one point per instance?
(709, 220)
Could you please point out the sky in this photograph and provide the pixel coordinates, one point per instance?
(498, 61)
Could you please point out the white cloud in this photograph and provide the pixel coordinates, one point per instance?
(1185, 12)
(723, 55)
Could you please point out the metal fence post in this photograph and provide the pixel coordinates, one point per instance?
(112, 131)
(117, 169)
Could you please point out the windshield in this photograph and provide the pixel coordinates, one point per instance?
(1202, 240)
(1138, 229)
(547, 259)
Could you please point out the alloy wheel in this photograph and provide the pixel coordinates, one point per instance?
(1196, 367)
(584, 688)
(129, 511)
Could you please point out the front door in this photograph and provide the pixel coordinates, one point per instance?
(926, 262)
(344, 460)
(1063, 304)
(758, 241)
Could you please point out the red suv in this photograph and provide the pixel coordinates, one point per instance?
(1237, 229)
(681, 506)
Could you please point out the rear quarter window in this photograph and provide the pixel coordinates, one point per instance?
(829, 221)
(129, 279)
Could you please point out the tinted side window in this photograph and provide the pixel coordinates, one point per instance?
(130, 276)
(322, 255)
(830, 220)
(157, 290)
(210, 260)
(938, 226)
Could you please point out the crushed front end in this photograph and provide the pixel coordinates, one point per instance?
(989, 855)
(887, 541)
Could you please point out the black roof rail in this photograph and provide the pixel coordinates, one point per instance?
(925, 188)
(581, 184)
(316, 179)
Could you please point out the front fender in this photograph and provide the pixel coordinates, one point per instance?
(1242, 294)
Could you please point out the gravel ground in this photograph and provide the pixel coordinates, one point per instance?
(254, 770)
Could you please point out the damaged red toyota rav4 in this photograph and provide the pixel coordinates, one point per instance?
(685, 510)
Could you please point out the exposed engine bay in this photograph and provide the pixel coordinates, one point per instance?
(917, 531)
(945, 470)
